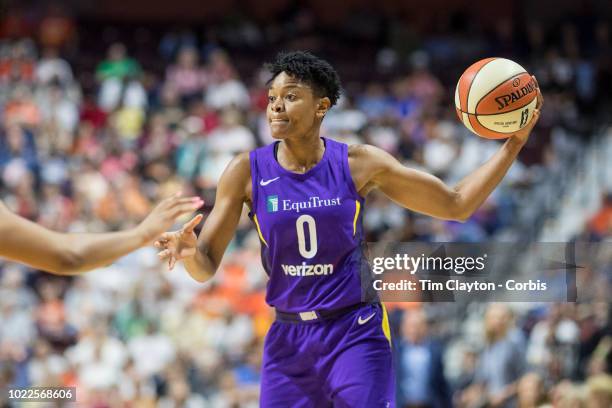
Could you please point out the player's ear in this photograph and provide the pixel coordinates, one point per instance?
(322, 107)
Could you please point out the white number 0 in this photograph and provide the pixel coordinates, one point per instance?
(312, 231)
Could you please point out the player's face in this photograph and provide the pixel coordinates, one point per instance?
(293, 108)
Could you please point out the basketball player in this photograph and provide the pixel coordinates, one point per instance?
(69, 254)
(329, 345)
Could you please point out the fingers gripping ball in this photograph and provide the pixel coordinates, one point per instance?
(495, 97)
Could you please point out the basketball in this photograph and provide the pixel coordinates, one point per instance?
(495, 97)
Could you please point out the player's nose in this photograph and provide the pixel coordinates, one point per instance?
(277, 106)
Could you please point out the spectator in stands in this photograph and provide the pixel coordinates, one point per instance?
(501, 363)
(22, 108)
(531, 391)
(17, 65)
(51, 67)
(186, 77)
(119, 83)
(420, 369)
(57, 29)
(225, 89)
(599, 391)
(117, 64)
(568, 395)
(17, 149)
(553, 343)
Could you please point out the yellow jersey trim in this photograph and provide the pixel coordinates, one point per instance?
(357, 208)
(259, 230)
(385, 323)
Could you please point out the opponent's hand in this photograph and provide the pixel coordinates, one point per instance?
(522, 135)
(165, 214)
(177, 245)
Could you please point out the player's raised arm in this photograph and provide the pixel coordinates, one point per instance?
(68, 254)
(426, 194)
(203, 255)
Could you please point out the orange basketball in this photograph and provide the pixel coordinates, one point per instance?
(495, 97)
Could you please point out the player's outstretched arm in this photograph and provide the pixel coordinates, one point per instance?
(426, 194)
(202, 255)
(69, 254)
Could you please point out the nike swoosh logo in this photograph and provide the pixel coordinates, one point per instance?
(367, 319)
(266, 182)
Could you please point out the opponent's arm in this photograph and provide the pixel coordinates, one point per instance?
(73, 253)
(202, 255)
(424, 193)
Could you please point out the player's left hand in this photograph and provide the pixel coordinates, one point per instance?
(522, 135)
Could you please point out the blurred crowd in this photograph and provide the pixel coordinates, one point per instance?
(90, 140)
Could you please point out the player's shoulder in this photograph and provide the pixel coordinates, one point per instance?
(241, 160)
(359, 150)
(241, 163)
(367, 154)
(239, 168)
(236, 179)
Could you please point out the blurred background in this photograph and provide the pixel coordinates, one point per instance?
(108, 106)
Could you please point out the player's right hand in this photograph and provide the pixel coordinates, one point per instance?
(177, 245)
(523, 134)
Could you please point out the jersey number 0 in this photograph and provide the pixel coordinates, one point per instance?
(301, 235)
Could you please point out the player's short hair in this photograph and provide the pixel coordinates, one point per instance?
(314, 71)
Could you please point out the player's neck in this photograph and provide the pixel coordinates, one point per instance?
(300, 155)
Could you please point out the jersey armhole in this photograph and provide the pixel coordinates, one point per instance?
(347, 173)
(253, 164)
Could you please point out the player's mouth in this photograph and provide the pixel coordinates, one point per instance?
(279, 122)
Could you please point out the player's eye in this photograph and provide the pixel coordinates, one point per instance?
(270, 99)
(291, 97)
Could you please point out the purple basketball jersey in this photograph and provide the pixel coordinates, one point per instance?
(311, 233)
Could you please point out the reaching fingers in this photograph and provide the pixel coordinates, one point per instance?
(534, 118)
(539, 93)
(165, 239)
(175, 200)
(186, 209)
(168, 255)
(186, 200)
(169, 200)
(161, 243)
(540, 100)
(190, 226)
(167, 236)
(164, 254)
